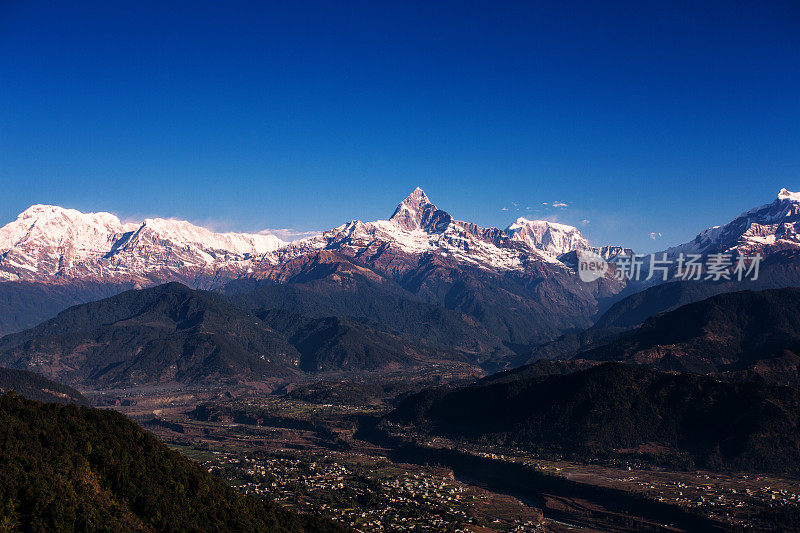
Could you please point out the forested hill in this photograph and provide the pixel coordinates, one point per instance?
(68, 468)
(39, 388)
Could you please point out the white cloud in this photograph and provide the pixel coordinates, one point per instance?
(560, 204)
(289, 234)
(504, 209)
(654, 235)
(584, 221)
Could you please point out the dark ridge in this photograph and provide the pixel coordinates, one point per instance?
(739, 335)
(39, 388)
(616, 411)
(168, 333)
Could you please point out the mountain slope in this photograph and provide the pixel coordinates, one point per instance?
(779, 269)
(337, 343)
(64, 468)
(739, 335)
(163, 334)
(38, 388)
(325, 284)
(615, 410)
(25, 304)
(517, 292)
(173, 334)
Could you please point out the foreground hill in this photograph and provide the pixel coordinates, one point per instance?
(65, 468)
(616, 410)
(741, 335)
(39, 388)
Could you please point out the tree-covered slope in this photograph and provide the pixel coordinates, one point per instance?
(327, 284)
(337, 343)
(69, 468)
(39, 388)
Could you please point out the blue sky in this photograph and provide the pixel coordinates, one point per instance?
(298, 115)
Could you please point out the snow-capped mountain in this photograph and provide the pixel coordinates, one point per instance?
(49, 242)
(766, 229)
(550, 237)
(52, 243)
(515, 291)
(46, 240)
(418, 227)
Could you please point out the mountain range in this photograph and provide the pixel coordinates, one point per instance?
(47, 243)
(509, 281)
(50, 243)
(418, 287)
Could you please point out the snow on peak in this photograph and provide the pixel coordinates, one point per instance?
(550, 237)
(39, 210)
(417, 195)
(43, 212)
(522, 222)
(763, 229)
(183, 233)
(46, 241)
(785, 194)
(53, 226)
(418, 227)
(412, 203)
(417, 212)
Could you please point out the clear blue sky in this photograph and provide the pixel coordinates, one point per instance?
(305, 115)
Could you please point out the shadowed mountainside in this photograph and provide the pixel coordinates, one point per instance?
(617, 410)
(166, 333)
(39, 388)
(173, 334)
(741, 335)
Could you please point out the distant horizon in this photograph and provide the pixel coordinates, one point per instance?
(640, 125)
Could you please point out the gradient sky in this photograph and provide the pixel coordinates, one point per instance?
(245, 116)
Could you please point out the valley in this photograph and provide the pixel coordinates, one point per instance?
(422, 373)
(324, 457)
